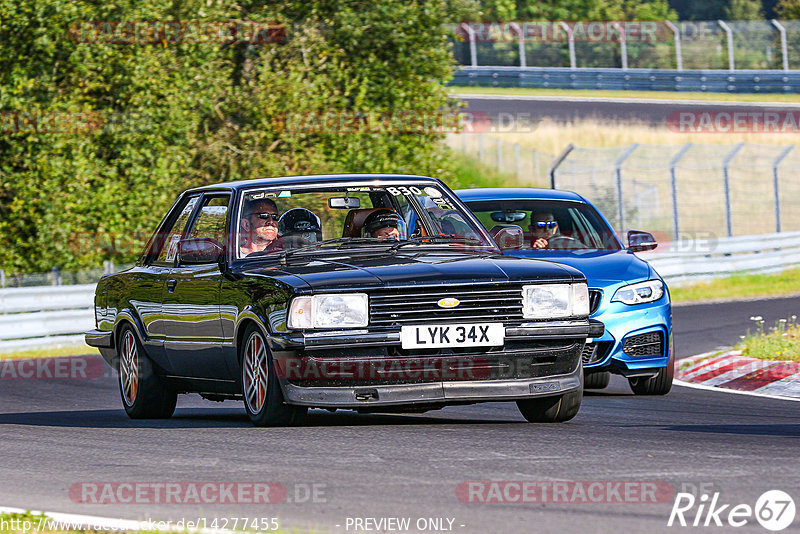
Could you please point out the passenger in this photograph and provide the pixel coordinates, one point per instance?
(259, 228)
(384, 224)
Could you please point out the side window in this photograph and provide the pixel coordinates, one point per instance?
(210, 220)
(172, 234)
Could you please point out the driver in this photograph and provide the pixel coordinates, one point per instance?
(384, 224)
(300, 227)
(259, 228)
(543, 228)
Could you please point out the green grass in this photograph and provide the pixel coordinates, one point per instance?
(656, 95)
(780, 342)
(72, 350)
(740, 286)
(469, 172)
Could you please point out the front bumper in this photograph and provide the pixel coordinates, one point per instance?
(623, 322)
(363, 369)
(432, 392)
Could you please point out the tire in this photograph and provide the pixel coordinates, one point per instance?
(143, 394)
(263, 399)
(660, 384)
(552, 409)
(596, 380)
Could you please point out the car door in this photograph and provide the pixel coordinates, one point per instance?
(149, 281)
(191, 308)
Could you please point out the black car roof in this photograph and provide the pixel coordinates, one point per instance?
(312, 178)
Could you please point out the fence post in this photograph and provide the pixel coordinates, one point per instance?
(557, 162)
(784, 47)
(618, 169)
(473, 50)
(776, 187)
(571, 41)
(726, 183)
(520, 43)
(56, 276)
(499, 155)
(673, 182)
(729, 33)
(623, 45)
(517, 162)
(480, 148)
(2, 278)
(678, 53)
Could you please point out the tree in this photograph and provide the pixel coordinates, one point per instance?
(788, 9)
(744, 10)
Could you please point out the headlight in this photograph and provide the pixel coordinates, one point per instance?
(329, 311)
(649, 291)
(555, 301)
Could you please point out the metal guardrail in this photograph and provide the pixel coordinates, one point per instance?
(43, 316)
(693, 260)
(716, 81)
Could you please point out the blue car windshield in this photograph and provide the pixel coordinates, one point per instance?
(547, 225)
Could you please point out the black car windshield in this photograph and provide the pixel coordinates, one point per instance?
(273, 221)
(547, 225)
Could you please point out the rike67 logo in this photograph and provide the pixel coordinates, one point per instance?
(774, 510)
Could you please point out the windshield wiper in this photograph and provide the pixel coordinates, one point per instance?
(339, 242)
(438, 239)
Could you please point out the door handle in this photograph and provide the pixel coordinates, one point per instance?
(171, 285)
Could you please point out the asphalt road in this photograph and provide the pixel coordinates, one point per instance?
(59, 433)
(567, 109)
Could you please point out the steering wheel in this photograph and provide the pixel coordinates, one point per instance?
(566, 242)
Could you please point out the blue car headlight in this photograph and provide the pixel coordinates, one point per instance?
(639, 293)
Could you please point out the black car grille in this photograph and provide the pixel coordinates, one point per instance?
(416, 305)
(595, 352)
(595, 296)
(650, 344)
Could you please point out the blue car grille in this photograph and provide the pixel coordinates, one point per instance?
(417, 305)
(595, 352)
(650, 344)
(595, 297)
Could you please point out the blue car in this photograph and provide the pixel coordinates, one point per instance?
(625, 292)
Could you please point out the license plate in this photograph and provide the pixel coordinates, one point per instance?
(452, 335)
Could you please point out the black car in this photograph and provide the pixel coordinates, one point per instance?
(366, 292)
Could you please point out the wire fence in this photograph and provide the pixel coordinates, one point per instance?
(679, 191)
(731, 45)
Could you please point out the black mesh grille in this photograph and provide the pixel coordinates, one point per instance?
(595, 352)
(595, 296)
(415, 305)
(650, 344)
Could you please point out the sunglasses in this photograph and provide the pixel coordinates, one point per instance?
(267, 215)
(545, 224)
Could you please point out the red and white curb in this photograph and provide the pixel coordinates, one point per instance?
(731, 370)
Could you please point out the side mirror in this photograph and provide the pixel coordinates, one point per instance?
(198, 251)
(344, 203)
(507, 236)
(641, 241)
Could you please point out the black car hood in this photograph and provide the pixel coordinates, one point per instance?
(353, 270)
